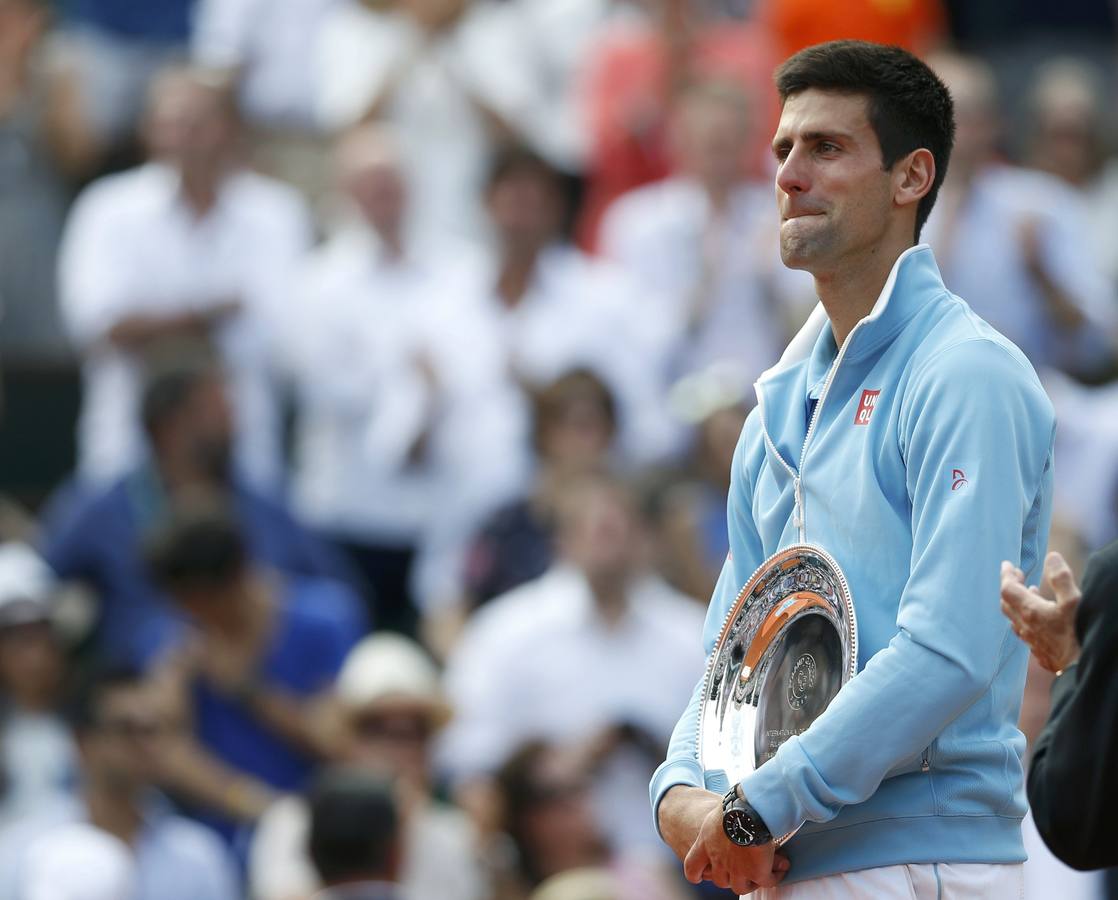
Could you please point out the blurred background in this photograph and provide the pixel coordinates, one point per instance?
(371, 372)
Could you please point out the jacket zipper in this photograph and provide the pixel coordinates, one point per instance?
(925, 763)
(799, 519)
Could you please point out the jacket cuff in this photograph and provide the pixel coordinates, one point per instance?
(687, 772)
(767, 791)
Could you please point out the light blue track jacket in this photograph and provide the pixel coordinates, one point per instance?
(929, 460)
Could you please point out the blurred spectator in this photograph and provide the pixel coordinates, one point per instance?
(188, 245)
(378, 452)
(686, 506)
(78, 862)
(117, 47)
(391, 704)
(252, 677)
(355, 836)
(42, 142)
(586, 656)
(95, 538)
(38, 760)
(633, 80)
(1011, 240)
(122, 735)
(547, 812)
(916, 25)
(539, 310)
(574, 426)
(1067, 138)
(454, 77)
(703, 244)
(268, 49)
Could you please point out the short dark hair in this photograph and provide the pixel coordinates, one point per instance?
(909, 107)
(199, 545)
(552, 400)
(511, 160)
(354, 826)
(82, 707)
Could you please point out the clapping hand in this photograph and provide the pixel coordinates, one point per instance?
(1047, 626)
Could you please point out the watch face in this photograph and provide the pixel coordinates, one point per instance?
(739, 827)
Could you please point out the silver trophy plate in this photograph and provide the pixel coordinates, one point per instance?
(787, 645)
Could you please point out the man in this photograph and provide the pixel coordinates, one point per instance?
(355, 836)
(913, 442)
(38, 759)
(1072, 785)
(610, 646)
(187, 246)
(122, 735)
(1016, 242)
(189, 425)
(384, 422)
(264, 652)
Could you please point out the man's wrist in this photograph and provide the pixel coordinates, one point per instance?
(742, 823)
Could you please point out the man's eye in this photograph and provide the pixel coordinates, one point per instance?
(828, 147)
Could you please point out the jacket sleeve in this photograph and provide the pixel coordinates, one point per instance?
(682, 763)
(1072, 777)
(976, 408)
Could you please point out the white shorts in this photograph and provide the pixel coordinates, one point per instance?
(941, 881)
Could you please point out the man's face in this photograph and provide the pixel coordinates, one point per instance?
(124, 744)
(188, 125)
(834, 197)
(526, 209)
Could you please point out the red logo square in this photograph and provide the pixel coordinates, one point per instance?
(865, 407)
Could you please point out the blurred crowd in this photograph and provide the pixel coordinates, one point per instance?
(414, 340)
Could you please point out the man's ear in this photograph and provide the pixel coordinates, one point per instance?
(913, 177)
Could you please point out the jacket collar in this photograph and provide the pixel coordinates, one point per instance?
(783, 390)
(913, 280)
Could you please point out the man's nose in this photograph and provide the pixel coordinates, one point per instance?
(792, 175)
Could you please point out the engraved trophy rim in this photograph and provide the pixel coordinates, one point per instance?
(752, 639)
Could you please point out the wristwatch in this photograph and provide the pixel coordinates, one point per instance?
(741, 822)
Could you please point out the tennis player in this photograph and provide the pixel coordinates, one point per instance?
(905, 436)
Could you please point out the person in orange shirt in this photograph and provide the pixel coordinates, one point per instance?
(916, 25)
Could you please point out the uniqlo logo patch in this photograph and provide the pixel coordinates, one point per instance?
(865, 407)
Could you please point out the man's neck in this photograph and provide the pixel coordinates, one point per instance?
(114, 809)
(611, 598)
(200, 188)
(515, 275)
(849, 292)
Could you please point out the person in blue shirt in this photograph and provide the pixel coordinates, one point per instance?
(911, 441)
(95, 538)
(250, 677)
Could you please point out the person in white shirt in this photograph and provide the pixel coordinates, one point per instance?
(538, 309)
(271, 47)
(586, 657)
(121, 732)
(1012, 240)
(388, 409)
(188, 245)
(454, 77)
(703, 245)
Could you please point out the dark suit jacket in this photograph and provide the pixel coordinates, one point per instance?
(1073, 779)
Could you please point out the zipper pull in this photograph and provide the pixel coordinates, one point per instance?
(797, 511)
(925, 764)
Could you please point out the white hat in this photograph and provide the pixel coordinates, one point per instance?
(78, 861)
(388, 670)
(27, 586)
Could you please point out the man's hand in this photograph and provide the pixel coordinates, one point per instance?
(1048, 628)
(714, 857)
(691, 823)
